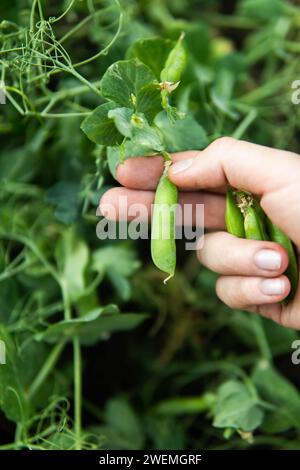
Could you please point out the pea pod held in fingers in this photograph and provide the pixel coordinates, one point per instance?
(234, 218)
(292, 271)
(163, 245)
(254, 225)
(163, 248)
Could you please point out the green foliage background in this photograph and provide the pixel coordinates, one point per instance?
(101, 354)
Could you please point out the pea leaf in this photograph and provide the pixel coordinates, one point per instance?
(221, 93)
(72, 256)
(100, 128)
(184, 134)
(65, 198)
(122, 429)
(136, 127)
(275, 389)
(93, 326)
(237, 408)
(149, 100)
(153, 52)
(131, 84)
(262, 9)
(130, 149)
(117, 264)
(122, 120)
(12, 398)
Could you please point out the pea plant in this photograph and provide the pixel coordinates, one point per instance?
(100, 354)
(138, 120)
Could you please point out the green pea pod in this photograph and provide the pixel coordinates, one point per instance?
(234, 218)
(260, 211)
(163, 246)
(175, 63)
(254, 225)
(292, 271)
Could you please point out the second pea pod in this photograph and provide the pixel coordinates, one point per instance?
(245, 218)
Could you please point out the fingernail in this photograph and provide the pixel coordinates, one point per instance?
(181, 166)
(268, 259)
(272, 286)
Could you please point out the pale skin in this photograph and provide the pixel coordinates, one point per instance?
(251, 272)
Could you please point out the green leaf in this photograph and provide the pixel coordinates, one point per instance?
(136, 127)
(100, 128)
(132, 85)
(122, 120)
(149, 100)
(116, 155)
(198, 40)
(65, 197)
(72, 257)
(262, 9)
(237, 408)
(153, 52)
(221, 93)
(277, 390)
(12, 398)
(123, 260)
(93, 326)
(117, 264)
(122, 429)
(184, 134)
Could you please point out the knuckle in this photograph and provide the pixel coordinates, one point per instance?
(244, 291)
(222, 144)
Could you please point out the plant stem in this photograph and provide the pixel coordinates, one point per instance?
(47, 368)
(261, 338)
(246, 122)
(77, 390)
(65, 12)
(106, 49)
(77, 367)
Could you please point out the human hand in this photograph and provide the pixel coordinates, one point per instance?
(251, 271)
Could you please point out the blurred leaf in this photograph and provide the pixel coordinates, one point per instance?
(93, 326)
(262, 9)
(276, 389)
(72, 257)
(221, 93)
(237, 408)
(65, 197)
(166, 433)
(12, 397)
(122, 427)
(118, 264)
(198, 40)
